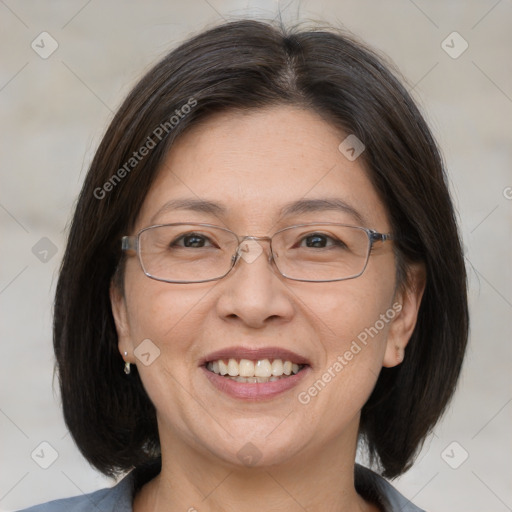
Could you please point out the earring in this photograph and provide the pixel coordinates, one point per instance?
(127, 368)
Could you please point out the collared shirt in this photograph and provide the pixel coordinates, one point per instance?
(119, 498)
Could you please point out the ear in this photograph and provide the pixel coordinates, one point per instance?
(120, 314)
(407, 304)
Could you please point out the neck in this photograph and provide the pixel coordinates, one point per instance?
(312, 480)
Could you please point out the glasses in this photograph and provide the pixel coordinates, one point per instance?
(197, 253)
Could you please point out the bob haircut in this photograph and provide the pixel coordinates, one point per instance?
(244, 65)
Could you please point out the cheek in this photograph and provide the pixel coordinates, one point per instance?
(168, 315)
(357, 331)
(355, 317)
(350, 310)
(155, 309)
(165, 323)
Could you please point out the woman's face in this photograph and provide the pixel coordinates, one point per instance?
(253, 164)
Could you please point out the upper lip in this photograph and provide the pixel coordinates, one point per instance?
(255, 354)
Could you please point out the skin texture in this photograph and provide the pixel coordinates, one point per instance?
(253, 163)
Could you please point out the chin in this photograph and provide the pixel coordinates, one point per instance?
(257, 445)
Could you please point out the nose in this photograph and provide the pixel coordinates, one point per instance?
(254, 292)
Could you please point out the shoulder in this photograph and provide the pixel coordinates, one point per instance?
(118, 498)
(373, 487)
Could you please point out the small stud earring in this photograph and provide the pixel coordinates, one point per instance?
(127, 368)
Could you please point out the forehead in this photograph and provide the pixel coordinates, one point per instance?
(255, 164)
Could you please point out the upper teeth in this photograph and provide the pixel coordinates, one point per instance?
(248, 368)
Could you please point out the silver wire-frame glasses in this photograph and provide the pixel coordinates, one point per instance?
(197, 253)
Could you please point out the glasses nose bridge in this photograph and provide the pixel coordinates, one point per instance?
(251, 237)
(242, 239)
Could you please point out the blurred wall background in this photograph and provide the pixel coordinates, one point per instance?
(65, 67)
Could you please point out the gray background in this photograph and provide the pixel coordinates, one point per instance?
(55, 110)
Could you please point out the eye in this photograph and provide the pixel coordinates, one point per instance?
(191, 240)
(321, 241)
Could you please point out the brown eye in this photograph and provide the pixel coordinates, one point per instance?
(321, 241)
(191, 240)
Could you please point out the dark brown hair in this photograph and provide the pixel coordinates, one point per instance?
(250, 65)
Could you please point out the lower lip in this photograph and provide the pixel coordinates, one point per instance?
(257, 390)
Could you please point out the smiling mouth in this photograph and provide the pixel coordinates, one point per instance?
(254, 371)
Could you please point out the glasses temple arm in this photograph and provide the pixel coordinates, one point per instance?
(129, 243)
(380, 237)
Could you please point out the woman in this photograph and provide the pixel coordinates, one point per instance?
(263, 270)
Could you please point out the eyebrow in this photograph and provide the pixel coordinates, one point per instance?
(320, 205)
(298, 207)
(195, 205)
